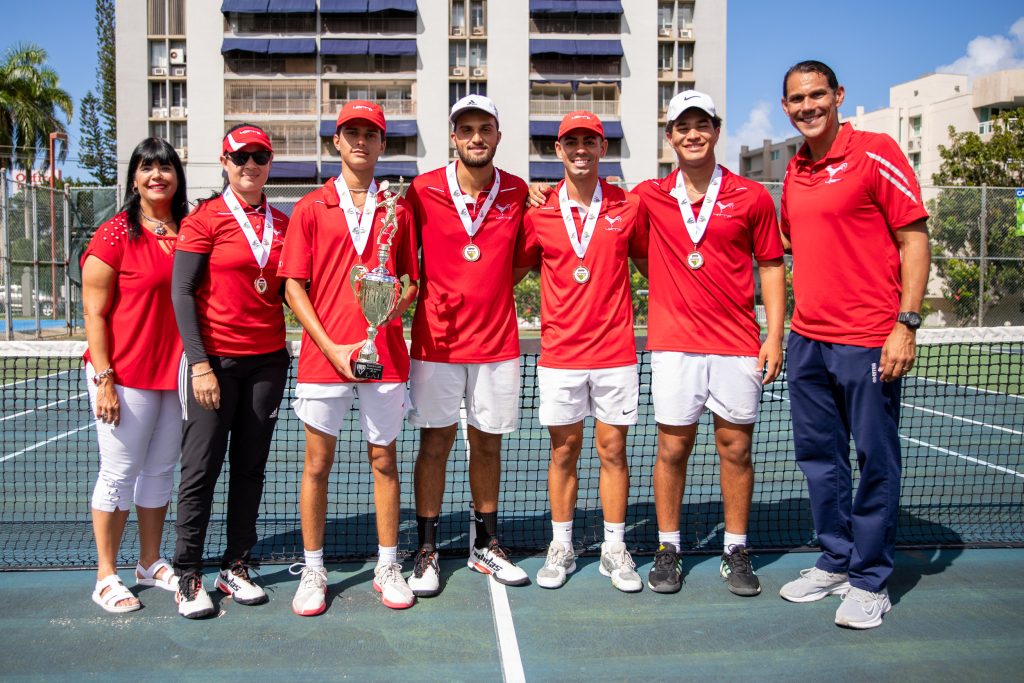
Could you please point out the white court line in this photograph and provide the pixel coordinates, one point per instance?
(505, 629)
(968, 458)
(43, 443)
(43, 407)
(36, 379)
(965, 386)
(962, 419)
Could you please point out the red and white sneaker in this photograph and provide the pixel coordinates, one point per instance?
(494, 560)
(394, 591)
(235, 582)
(311, 596)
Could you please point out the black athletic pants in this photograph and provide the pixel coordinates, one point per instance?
(251, 388)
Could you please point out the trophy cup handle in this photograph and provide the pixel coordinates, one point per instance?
(355, 275)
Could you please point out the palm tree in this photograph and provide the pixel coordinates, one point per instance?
(31, 101)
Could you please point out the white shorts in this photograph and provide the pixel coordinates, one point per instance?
(609, 394)
(491, 391)
(682, 384)
(139, 455)
(324, 407)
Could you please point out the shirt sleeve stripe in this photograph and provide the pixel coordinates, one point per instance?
(888, 164)
(899, 187)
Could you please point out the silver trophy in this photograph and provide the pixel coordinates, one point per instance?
(377, 291)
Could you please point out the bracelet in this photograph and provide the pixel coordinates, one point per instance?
(100, 376)
(202, 374)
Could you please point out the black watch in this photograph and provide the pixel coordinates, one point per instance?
(911, 319)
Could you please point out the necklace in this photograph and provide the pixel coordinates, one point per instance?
(161, 226)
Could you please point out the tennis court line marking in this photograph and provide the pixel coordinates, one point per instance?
(977, 461)
(43, 443)
(505, 629)
(962, 419)
(964, 386)
(36, 379)
(44, 407)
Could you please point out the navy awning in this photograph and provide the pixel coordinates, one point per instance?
(549, 129)
(257, 45)
(396, 129)
(344, 47)
(611, 168)
(293, 169)
(292, 6)
(291, 46)
(343, 6)
(575, 7)
(393, 47)
(392, 169)
(244, 6)
(396, 5)
(328, 128)
(606, 48)
(555, 170)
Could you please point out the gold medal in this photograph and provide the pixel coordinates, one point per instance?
(471, 252)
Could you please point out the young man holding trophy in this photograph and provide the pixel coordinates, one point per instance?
(465, 336)
(706, 226)
(582, 238)
(352, 270)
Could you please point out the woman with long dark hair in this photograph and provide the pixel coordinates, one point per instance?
(131, 367)
(227, 301)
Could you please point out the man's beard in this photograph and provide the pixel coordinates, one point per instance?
(477, 162)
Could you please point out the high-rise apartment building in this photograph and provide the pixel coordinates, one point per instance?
(189, 69)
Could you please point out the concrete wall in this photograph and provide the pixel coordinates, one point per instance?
(132, 69)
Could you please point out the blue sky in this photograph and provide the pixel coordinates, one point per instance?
(872, 45)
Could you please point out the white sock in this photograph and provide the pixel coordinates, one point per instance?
(672, 537)
(734, 539)
(314, 558)
(614, 532)
(387, 554)
(562, 532)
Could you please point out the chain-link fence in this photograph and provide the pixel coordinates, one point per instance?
(977, 276)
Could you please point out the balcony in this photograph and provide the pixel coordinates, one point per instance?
(552, 66)
(561, 107)
(575, 24)
(273, 23)
(377, 23)
(391, 107)
(246, 98)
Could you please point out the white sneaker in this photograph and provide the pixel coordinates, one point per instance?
(311, 595)
(425, 581)
(558, 564)
(193, 600)
(617, 564)
(494, 560)
(235, 582)
(394, 591)
(815, 584)
(863, 609)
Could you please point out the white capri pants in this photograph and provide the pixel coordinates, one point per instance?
(138, 456)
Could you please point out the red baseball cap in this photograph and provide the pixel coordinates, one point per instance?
(581, 119)
(363, 110)
(246, 135)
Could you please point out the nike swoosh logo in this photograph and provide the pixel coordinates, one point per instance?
(627, 412)
(690, 97)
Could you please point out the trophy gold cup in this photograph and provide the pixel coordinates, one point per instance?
(377, 291)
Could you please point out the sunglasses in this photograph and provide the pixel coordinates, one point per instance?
(262, 158)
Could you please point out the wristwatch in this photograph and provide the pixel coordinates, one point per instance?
(911, 319)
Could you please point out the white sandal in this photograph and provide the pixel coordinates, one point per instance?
(116, 593)
(149, 577)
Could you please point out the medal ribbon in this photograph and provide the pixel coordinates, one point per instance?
(580, 243)
(260, 248)
(697, 226)
(360, 228)
(460, 202)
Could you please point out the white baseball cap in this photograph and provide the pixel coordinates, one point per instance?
(468, 102)
(689, 99)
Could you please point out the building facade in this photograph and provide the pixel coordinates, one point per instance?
(918, 117)
(187, 70)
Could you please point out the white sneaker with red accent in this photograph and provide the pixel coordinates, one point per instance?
(394, 591)
(311, 596)
(494, 560)
(235, 582)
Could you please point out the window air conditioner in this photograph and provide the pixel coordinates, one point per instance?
(158, 71)
(159, 112)
(330, 68)
(178, 71)
(664, 31)
(458, 71)
(458, 31)
(478, 30)
(686, 33)
(479, 72)
(179, 112)
(177, 56)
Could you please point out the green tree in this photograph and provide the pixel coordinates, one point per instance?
(99, 114)
(31, 104)
(958, 221)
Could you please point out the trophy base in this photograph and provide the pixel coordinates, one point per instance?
(367, 370)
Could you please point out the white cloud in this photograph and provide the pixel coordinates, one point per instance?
(752, 132)
(986, 54)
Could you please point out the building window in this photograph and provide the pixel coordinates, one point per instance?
(158, 62)
(666, 91)
(282, 24)
(665, 18)
(459, 89)
(477, 18)
(158, 129)
(457, 54)
(775, 155)
(458, 18)
(685, 17)
(158, 96)
(915, 126)
(915, 162)
(179, 135)
(166, 17)
(269, 97)
(665, 169)
(477, 54)
(686, 56)
(665, 52)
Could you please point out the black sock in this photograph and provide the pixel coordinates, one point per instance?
(426, 530)
(486, 527)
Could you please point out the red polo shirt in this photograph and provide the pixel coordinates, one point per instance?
(840, 214)
(319, 248)
(590, 325)
(709, 310)
(235, 319)
(465, 312)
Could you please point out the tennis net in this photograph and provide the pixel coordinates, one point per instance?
(963, 466)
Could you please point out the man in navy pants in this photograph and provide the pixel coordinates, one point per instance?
(853, 217)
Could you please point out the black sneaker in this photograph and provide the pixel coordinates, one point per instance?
(667, 573)
(739, 572)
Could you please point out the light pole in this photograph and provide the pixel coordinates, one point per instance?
(53, 228)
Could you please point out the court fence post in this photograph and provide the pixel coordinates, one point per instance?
(983, 255)
(6, 240)
(70, 316)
